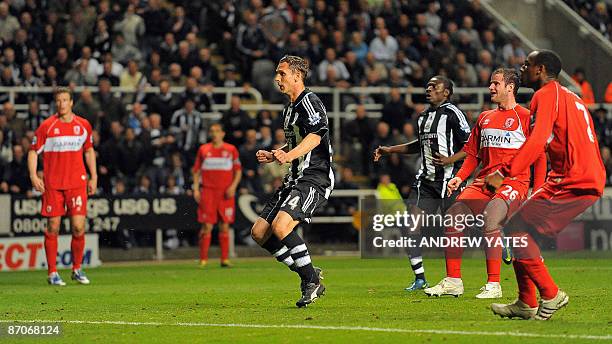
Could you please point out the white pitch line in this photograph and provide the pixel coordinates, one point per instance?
(315, 327)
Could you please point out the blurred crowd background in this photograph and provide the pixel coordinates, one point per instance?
(146, 142)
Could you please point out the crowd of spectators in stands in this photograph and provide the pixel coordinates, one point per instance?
(595, 12)
(146, 143)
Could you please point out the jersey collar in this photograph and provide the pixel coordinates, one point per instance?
(300, 97)
(432, 108)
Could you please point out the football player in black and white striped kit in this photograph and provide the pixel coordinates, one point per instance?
(310, 180)
(442, 130)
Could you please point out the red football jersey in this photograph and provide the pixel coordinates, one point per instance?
(564, 126)
(217, 165)
(495, 140)
(62, 145)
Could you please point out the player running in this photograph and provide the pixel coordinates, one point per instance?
(310, 180)
(564, 128)
(217, 165)
(62, 139)
(495, 139)
(442, 130)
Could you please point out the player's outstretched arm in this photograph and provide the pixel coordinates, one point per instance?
(264, 156)
(442, 160)
(90, 160)
(412, 147)
(310, 142)
(540, 168)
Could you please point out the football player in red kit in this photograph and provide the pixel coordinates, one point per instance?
(495, 139)
(62, 139)
(217, 165)
(576, 181)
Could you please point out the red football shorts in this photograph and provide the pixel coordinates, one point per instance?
(64, 202)
(214, 203)
(551, 208)
(476, 198)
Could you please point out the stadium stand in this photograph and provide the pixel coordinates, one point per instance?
(140, 68)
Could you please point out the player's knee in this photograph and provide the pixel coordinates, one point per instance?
(53, 225)
(205, 229)
(491, 228)
(279, 226)
(259, 230)
(78, 229)
(457, 214)
(459, 208)
(223, 228)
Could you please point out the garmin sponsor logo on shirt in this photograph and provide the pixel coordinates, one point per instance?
(65, 143)
(495, 140)
(217, 164)
(498, 138)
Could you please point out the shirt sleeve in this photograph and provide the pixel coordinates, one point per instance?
(540, 168)
(40, 137)
(459, 126)
(315, 121)
(471, 147)
(469, 165)
(89, 141)
(198, 161)
(544, 110)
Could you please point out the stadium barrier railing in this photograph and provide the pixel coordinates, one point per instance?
(340, 110)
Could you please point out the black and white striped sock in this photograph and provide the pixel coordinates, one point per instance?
(301, 257)
(416, 258)
(417, 267)
(279, 251)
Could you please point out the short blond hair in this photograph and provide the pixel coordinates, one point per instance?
(61, 89)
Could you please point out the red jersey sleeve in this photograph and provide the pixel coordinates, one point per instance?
(471, 147)
(469, 165)
(198, 161)
(237, 166)
(540, 167)
(543, 107)
(89, 141)
(40, 137)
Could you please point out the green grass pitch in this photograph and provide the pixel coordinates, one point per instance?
(177, 302)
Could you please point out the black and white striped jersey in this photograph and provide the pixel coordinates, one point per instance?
(304, 116)
(443, 130)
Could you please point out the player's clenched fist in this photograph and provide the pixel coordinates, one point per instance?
(281, 156)
(453, 185)
(380, 151)
(264, 156)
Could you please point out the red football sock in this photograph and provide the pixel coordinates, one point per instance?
(539, 275)
(224, 244)
(77, 246)
(531, 260)
(204, 245)
(51, 251)
(453, 254)
(493, 252)
(527, 289)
